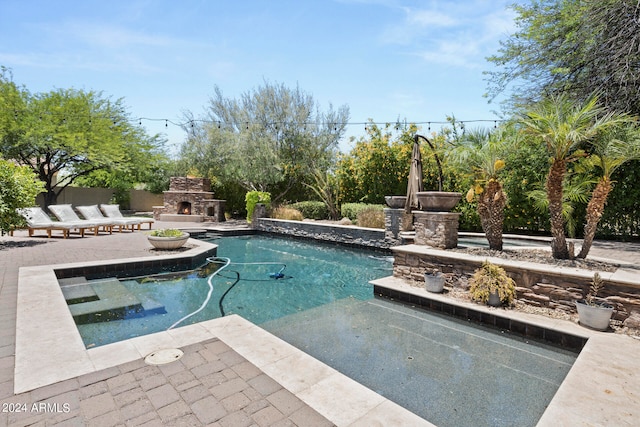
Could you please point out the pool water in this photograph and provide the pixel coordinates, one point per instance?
(450, 372)
(314, 275)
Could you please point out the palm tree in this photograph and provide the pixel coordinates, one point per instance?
(611, 151)
(564, 126)
(483, 152)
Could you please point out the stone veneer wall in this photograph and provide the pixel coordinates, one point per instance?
(537, 284)
(357, 236)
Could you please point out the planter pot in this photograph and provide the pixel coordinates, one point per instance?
(494, 299)
(594, 316)
(438, 201)
(434, 282)
(167, 243)
(395, 202)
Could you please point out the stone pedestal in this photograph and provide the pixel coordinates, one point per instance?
(436, 229)
(393, 225)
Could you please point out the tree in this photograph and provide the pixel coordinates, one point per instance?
(572, 46)
(66, 134)
(564, 127)
(611, 150)
(18, 189)
(483, 152)
(271, 139)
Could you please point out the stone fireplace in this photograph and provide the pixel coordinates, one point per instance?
(190, 200)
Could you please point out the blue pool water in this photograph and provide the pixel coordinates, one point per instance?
(448, 371)
(314, 275)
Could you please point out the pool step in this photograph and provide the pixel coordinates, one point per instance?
(111, 301)
(77, 290)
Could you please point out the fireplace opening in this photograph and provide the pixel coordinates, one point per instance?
(184, 208)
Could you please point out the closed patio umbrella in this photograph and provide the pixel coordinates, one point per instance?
(415, 178)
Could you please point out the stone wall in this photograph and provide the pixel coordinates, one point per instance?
(350, 235)
(539, 285)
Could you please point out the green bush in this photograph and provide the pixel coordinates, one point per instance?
(288, 213)
(371, 217)
(312, 209)
(253, 198)
(351, 210)
(166, 232)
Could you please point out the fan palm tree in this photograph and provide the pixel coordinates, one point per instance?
(483, 151)
(611, 151)
(563, 126)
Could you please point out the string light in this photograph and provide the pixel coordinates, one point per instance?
(277, 125)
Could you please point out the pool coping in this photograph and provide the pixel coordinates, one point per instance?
(603, 385)
(49, 349)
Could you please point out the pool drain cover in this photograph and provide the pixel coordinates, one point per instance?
(162, 357)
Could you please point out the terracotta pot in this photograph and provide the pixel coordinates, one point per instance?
(438, 201)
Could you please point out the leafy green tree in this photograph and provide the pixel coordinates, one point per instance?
(66, 134)
(378, 165)
(271, 139)
(564, 127)
(18, 189)
(577, 47)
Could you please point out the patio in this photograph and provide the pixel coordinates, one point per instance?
(213, 382)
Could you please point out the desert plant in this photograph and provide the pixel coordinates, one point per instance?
(283, 212)
(597, 284)
(351, 210)
(166, 232)
(491, 278)
(371, 217)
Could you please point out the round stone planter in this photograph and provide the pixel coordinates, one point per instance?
(438, 201)
(167, 243)
(434, 282)
(594, 316)
(395, 202)
(494, 299)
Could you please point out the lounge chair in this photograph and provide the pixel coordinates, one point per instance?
(65, 213)
(38, 220)
(113, 211)
(92, 213)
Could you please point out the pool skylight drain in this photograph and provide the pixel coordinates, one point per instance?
(162, 357)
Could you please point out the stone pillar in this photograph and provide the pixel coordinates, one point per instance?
(436, 229)
(393, 226)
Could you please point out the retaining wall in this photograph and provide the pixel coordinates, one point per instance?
(350, 235)
(540, 285)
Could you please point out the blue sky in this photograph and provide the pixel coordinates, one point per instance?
(385, 59)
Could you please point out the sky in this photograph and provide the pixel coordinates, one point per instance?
(387, 60)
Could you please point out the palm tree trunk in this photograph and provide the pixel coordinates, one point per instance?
(559, 248)
(491, 211)
(595, 209)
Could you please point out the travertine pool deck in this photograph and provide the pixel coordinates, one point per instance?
(233, 372)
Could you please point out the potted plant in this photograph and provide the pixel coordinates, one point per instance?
(168, 238)
(434, 281)
(592, 313)
(491, 285)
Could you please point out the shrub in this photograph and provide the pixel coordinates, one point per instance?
(351, 210)
(312, 209)
(371, 217)
(490, 278)
(166, 232)
(253, 198)
(283, 212)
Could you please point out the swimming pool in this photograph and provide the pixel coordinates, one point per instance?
(313, 275)
(450, 372)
